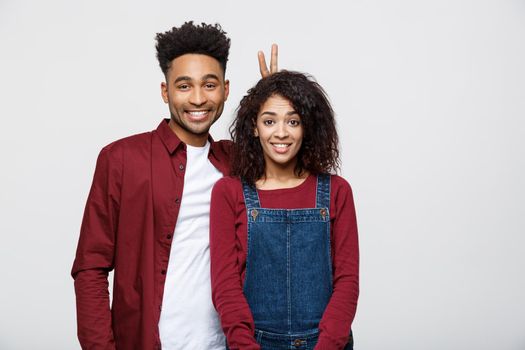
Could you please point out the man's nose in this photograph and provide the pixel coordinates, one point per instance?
(197, 97)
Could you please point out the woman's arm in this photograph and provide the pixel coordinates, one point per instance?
(228, 298)
(337, 319)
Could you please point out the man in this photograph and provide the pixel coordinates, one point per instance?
(147, 212)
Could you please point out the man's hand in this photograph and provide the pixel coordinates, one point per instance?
(273, 62)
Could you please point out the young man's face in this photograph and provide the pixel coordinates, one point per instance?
(195, 92)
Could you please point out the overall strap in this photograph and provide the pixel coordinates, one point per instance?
(323, 191)
(251, 197)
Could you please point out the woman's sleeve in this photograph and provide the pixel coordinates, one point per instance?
(227, 295)
(335, 325)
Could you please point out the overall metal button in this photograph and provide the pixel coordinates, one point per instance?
(298, 342)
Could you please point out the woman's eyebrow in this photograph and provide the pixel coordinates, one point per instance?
(273, 113)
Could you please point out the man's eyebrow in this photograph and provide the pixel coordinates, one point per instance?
(182, 78)
(204, 78)
(210, 76)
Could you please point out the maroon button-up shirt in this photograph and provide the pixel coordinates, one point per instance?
(128, 225)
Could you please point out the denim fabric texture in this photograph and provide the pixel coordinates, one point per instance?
(288, 281)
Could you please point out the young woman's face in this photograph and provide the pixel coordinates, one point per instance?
(280, 132)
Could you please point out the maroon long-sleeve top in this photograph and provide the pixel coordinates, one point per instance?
(228, 249)
(128, 224)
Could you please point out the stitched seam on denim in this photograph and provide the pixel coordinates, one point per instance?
(317, 192)
(251, 197)
(329, 240)
(258, 198)
(328, 247)
(288, 287)
(310, 334)
(245, 192)
(247, 256)
(323, 191)
(261, 219)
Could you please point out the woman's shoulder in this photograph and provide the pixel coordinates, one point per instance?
(339, 182)
(340, 187)
(227, 185)
(228, 181)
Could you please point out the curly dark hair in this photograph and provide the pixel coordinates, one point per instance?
(203, 39)
(319, 152)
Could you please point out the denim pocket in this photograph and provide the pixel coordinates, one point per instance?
(282, 341)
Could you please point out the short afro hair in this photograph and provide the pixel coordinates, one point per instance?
(203, 39)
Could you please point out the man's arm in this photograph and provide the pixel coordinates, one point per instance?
(95, 253)
(273, 62)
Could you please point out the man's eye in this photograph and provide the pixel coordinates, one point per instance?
(183, 87)
(209, 86)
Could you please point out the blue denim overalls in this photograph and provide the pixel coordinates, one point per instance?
(288, 280)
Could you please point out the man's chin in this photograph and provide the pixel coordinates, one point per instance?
(200, 128)
(197, 130)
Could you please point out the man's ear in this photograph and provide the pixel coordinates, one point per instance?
(226, 89)
(164, 91)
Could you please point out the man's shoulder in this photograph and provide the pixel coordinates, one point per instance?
(129, 143)
(223, 145)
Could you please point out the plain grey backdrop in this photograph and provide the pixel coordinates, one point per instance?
(430, 103)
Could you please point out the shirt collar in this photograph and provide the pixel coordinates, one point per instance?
(171, 140)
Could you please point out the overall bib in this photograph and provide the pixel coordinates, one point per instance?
(288, 281)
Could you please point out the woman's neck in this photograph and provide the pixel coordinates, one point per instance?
(274, 180)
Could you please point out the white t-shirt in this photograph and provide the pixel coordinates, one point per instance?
(188, 319)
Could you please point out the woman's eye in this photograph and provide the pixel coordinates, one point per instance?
(294, 122)
(268, 122)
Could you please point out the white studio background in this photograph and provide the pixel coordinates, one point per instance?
(430, 101)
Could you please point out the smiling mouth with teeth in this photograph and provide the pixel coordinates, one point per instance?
(280, 145)
(197, 113)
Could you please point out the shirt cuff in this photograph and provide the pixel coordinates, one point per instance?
(326, 343)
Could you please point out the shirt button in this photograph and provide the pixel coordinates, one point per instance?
(177, 200)
(181, 166)
(168, 236)
(163, 272)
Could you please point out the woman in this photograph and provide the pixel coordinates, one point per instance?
(283, 234)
